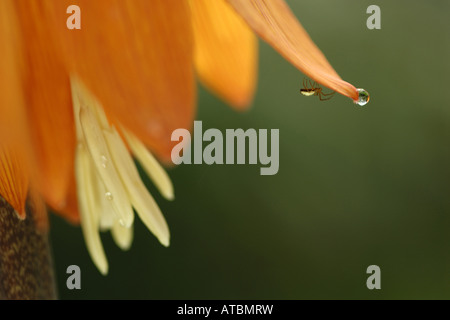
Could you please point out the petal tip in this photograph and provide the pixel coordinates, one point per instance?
(21, 213)
(165, 242)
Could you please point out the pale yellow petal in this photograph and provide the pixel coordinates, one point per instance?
(141, 199)
(151, 166)
(89, 220)
(85, 106)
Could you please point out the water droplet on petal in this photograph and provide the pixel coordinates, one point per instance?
(363, 97)
(104, 161)
(109, 196)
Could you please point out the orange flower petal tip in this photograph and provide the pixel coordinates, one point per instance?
(275, 23)
(13, 181)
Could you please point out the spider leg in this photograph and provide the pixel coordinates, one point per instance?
(323, 99)
(329, 94)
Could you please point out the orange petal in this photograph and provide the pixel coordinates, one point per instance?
(274, 22)
(12, 116)
(39, 210)
(48, 103)
(13, 180)
(13, 159)
(136, 57)
(226, 51)
(70, 210)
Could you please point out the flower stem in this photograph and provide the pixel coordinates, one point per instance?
(26, 269)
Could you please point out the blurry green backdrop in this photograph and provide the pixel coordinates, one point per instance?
(357, 185)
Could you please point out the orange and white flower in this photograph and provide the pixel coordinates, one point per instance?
(75, 105)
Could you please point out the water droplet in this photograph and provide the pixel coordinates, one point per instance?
(109, 196)
(363, 97)
(104, 161)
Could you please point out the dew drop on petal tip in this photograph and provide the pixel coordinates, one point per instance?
(363, 97)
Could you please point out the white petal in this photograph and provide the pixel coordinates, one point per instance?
(81, 96)
(141, 199)
(151, 166)
(86, 201)
(105, 208)
(105, 166)
(89, 119)
(104, 211)
(122, 236)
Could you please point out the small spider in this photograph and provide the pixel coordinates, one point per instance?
(315, 90)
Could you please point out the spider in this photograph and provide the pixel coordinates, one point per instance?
(315, 90)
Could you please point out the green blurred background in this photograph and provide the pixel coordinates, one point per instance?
(357, 185)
